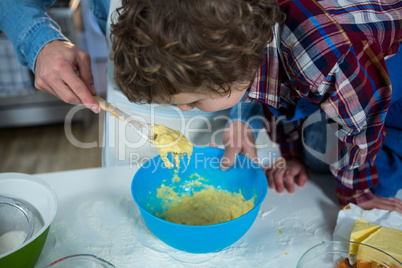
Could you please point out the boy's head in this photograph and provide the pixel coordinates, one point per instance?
(166, 47)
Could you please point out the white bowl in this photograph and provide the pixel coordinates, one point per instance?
(41, 198)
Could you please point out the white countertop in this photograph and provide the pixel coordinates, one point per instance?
(97, 215)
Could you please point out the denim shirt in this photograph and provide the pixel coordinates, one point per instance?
(28, 27)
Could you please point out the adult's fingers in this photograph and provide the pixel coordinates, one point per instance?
(56, 69)
(80, 89)
(43, 86)
(64, 92)
(85, 71)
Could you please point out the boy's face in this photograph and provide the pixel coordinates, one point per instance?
(210, 103)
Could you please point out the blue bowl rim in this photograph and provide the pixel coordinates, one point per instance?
(256, 206)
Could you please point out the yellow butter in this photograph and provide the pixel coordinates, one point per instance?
(385, 239)
(361, 231)
(171, 141)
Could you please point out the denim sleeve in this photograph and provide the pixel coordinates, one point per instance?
(28, 27)
(100, 9)
(250, 113)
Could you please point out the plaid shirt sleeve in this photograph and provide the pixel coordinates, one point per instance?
(335, 55)
(358, 104)
(284, 133)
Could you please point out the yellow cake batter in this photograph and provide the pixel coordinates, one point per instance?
(171, 141)
(204, 207)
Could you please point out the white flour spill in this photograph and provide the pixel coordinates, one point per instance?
(264, 213)
(113, 229)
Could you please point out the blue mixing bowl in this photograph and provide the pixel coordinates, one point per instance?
(244, 176)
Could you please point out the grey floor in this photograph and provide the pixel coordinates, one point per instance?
(47, 148)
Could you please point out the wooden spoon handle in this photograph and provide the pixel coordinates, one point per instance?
(142, 129)
(110, 108)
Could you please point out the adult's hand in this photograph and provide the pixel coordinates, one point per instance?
(391, 203)
(238, 138)
(64, 70)
(283, 174)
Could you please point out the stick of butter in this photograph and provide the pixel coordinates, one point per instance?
(385, 239)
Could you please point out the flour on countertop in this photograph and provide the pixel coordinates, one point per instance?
(118, 234)
(263, 213)
(113, 229)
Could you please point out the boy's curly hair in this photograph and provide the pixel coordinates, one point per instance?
(166, 47)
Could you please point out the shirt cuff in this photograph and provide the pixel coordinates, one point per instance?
(36, 38)
(250, 113)
(346, 195)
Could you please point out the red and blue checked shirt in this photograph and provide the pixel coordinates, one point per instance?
(333, 54)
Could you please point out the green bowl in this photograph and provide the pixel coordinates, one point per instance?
(41, 199)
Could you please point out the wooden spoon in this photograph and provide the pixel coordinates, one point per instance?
(143, 129)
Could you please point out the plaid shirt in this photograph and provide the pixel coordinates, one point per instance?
(334, 52)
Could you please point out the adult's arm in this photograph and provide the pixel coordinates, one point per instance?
(60, 68)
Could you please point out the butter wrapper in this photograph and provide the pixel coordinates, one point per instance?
(347, 218)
